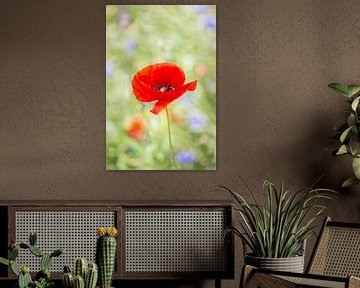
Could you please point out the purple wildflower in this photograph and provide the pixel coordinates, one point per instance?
(124, 18)
(197, 121)
(109, 69)
(130, 45)
(189, 100)
(200, 8)
(185, 157)
(210, 22)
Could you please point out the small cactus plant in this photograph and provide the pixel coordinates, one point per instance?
(79, 282)
(85, 275)
(68, 278)
(24, 277)
(81, 267)
(42, 278)
(91, 276)
(106, 254)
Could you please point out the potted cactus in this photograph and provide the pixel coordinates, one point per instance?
(84, 275)
(42, 278)
(106, 254)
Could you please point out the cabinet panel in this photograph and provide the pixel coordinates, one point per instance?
(156, 240)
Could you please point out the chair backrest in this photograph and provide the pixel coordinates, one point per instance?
(337, 251)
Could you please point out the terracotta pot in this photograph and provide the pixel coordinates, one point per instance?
(291, 264)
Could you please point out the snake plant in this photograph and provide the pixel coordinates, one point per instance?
(279, 228)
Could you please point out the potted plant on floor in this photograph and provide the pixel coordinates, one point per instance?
(348, 132)
(276, 233)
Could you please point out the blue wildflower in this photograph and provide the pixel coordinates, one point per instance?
(197, 121)
(130, 45)
(189, 100)
(109, 69)
(210, 22)
(185, 157)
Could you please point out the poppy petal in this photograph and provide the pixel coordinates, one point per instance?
(161, 82)
(191, 86)
(147, 79)
(167, 74)
(163, 103)
(159, 106)
(143, 89)
(142, 94)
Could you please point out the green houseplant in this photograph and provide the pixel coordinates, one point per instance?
(106, 254)
(42, 278)
(348, 132)
(275, 233)
(84, 274)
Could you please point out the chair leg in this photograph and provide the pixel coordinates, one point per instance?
(246, 273)
(217, 283)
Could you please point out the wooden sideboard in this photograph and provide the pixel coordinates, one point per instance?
(157, 240)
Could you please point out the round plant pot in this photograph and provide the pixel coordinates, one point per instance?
(291, 264)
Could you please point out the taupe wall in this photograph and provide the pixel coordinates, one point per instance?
(275, 113)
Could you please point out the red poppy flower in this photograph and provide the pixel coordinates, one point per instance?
(161, 82)
(135, 127)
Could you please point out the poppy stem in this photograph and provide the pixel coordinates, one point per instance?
(170, 142)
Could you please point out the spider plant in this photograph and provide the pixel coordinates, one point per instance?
(279, 229)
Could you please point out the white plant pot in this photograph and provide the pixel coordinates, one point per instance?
(291, 264)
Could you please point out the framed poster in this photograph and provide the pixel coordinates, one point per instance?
(161, 87)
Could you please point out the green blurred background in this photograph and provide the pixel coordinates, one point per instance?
(140, 35)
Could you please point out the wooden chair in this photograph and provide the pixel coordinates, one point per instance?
(334, 263)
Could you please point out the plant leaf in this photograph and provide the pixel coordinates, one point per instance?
(354, 145)
(356, 167)
(355, 103)
(32, 238)
(349, 182)
(14, 268)
(4, 261)
(279, 228)
(342, 150)
(345, 134)
(353, 89)
(248, 190)
(340, 88)
(351, 120)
